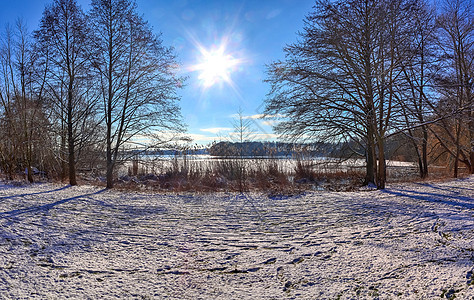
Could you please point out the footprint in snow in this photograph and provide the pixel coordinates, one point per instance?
(296, 260)
(270, 261)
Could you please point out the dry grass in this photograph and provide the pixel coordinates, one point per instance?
(274, 176)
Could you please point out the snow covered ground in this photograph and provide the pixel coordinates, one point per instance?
(411, 241)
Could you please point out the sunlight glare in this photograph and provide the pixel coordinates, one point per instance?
(215, 66)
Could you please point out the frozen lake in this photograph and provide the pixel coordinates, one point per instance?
(160, 164)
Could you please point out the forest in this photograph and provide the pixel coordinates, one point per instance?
(86, 87)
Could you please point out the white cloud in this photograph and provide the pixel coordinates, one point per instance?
(258, 116)
(269, 123)
(216, 130)
(252, 117)
(201, 138)
(255, 137)
(277, 116)
(273, 14)
(265, 137)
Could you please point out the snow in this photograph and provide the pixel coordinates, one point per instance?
(410, 241)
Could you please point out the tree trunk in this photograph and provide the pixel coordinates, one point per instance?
(71, 156)
(424, 153)
(109, 158)
(382, 168)
(70, 138)
(108, 107)
(29, 174)
(110, 175)
(110, 164)
(458, 151)
(370, 159)
(471, 139)
(456, 163)
(62, 157)
(371, 147)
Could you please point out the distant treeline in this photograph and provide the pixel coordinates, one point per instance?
(259, 149)
(396, 148)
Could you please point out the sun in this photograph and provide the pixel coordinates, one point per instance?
(215, 66)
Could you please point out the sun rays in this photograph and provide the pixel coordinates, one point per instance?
(215, 65)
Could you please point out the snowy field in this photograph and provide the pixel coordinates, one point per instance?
(411, 241)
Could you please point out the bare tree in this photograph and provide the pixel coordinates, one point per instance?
(9, 159)
(243, 134)
(340, 81)
(64, 38)
(137, 78)
(22, 116)
(456, 41)
(419, 70)
(243, 130)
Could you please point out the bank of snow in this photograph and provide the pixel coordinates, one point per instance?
(412, 241)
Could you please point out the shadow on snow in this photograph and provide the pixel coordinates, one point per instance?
(44, 207)
(33, 194)
(452, 199)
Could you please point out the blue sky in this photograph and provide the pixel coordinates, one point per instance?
(246, 35)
